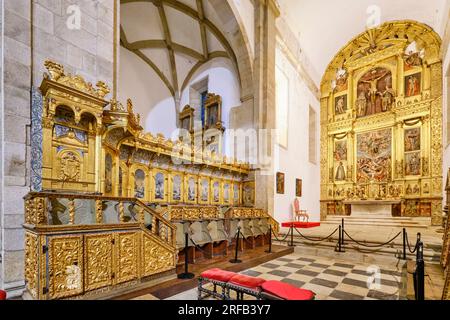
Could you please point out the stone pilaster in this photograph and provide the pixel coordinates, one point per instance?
(266, 13)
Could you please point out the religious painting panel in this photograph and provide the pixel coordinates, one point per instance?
(248, 193)
(191, 189)
(177, 188)
(226, 192)
(108, 174)
(412, 139)
(159, 186)
(413, 85)
(280, 183)
(204, 191)
(139, 184)
(215, 188)
(236, 194)
(374, 156)
(340, 105)
(374, 92)
(298, 187)
(412, 163)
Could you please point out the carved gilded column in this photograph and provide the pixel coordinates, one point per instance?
(436, 142)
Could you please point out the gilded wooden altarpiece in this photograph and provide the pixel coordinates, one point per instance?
(90, 230)
(381, 122)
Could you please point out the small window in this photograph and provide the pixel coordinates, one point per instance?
(204, 95)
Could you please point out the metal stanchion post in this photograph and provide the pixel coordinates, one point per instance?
(342, 238)
(270, 240)
(420, 273)
(186, 274)
(404, 243)
(339, 240)
(292, 236)
(236, 260)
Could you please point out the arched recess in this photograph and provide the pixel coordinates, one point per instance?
(411, 51)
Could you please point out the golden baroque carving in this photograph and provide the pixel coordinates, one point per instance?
(98, 265)
(31, 263)
(156, 258)
(126, 257)
(56, 73)
(65, 267)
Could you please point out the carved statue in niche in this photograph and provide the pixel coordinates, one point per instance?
(139, 184)
(412, 85)
(375, 93)
(340, 172)
(70, 167)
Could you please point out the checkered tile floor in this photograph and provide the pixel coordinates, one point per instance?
(328, 278)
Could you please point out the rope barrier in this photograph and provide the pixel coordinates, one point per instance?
(276, 238)
(317, 240)
(409, 246)
(370, 246)
(248, 242)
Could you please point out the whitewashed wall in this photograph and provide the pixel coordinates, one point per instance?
(294, 161)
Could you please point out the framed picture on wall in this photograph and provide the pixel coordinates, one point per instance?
(280, 183)
(298, 187)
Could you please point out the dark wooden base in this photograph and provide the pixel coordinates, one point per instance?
(250, 259)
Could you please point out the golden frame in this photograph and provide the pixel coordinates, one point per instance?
(213, 100)
(187, 113)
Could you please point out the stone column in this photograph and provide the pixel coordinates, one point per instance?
(266, 12)
(16, 21)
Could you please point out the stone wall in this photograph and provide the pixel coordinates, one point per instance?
(33, 32)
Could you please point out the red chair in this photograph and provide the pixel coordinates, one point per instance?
(300, 213)
(2, 295)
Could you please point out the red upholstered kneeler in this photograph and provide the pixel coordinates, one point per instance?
(286, 291)
(218, 275)
(2, 295)
(246, 281)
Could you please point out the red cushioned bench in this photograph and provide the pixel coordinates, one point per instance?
(277, 290)
(243, 284)
(217, 277)
(2, 295)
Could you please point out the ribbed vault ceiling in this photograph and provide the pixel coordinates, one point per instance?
(174, 38)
